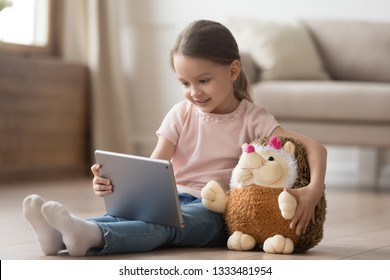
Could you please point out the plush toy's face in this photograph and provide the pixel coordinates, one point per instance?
(273, 171)
(270, 166)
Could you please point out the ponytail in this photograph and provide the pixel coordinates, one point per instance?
(242, 87)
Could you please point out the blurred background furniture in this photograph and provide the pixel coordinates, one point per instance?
(345, 98)
(44, 119)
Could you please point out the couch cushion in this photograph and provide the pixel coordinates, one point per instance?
(325, 100)
(282, 48)
(353, 50)
(251, 69)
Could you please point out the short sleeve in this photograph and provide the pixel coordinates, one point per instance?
(172, 123)
(259, 121)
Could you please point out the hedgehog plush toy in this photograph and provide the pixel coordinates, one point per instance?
(257, 209)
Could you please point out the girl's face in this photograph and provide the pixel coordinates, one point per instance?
(208, 85)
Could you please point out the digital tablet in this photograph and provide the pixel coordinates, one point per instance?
(144, 189)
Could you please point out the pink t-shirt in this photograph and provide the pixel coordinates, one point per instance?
(208, 145)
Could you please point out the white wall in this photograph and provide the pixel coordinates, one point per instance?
(155, 25)
(185, 11)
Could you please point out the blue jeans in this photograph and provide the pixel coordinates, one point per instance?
(202, 227)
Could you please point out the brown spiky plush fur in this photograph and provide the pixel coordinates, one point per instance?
(254, 210)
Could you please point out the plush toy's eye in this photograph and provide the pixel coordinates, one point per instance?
(271, 159)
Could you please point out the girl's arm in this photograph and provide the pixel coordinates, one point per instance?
(164, 149)
(309, 196)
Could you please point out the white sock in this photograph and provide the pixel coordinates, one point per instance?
(49, 239)
(78, 235)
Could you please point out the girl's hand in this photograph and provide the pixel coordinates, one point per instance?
(101, 186)
(307, 198)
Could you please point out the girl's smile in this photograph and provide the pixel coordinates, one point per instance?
(202, 102)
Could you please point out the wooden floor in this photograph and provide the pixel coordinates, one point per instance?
(357, 226)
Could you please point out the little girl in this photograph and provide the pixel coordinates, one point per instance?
(202, 136)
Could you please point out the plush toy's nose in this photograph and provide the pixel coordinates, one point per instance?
(249, 149)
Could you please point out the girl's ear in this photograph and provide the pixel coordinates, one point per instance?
(235, 69)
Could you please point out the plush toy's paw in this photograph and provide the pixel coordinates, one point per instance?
(287, 205)
(213, 197)
(241, 242)
(278, 245)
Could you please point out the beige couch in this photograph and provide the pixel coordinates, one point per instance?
(351, 104)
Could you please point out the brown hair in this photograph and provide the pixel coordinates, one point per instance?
(213, 41)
